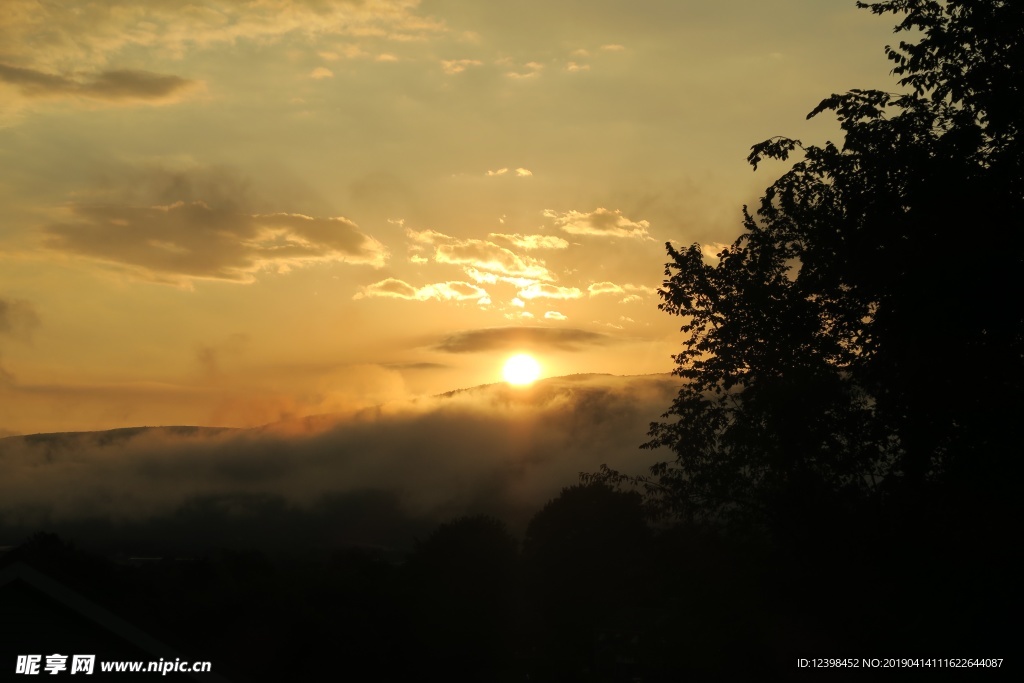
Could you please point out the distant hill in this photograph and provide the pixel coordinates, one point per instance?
(107, 437)
(376, 476)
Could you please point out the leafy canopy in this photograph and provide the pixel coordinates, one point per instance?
(861, 341)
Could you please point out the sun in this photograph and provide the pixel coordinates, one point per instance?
(521, 369)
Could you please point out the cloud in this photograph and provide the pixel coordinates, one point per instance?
(347, 51)
(554, 315)
(457, 66)
(428, 237)
(598, 288)
(424, 365)
(390, 287)
(604, 288)
(613, 48)
(599, 222)
(47, 36)
(6, 379)
(441, 291)
(573, 67)
(530, 242)
(491, 278)
(536, 338)
(519, 172)
(114, 86)
(711, 250)
(490, 257)
(184, 241)
(484, 261)
(493, 449)
(320, 73)
(18, 319)
(211, 358)
(543, 290)
(533, 70)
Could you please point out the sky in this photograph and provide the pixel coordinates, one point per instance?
(229, 213)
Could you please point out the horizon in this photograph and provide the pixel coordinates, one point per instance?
(496, 449)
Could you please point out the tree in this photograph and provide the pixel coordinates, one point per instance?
(463, 599)
(861, 342)
(585, 554)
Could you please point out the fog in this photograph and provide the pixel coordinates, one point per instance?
(379, 476)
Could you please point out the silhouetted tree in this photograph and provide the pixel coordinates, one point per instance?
(586, 554)
(464, 598)
(862, 340)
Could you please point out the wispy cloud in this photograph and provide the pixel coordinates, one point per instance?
(487, 260)
(530, 242)
(543, 290)
(600, 222)
(441, 291)
(529, 70)
(490, 257)
(457, 66)
(612, 288)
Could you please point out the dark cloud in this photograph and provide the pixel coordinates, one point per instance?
(417, 366)
(180, 241)
(6, 378)
(18, 318)
(211, 357)
(106, 85)
(498, 338)
(494, 449)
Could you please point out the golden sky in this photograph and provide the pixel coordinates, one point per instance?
(226, 212)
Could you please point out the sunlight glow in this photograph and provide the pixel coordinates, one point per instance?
(521, 369)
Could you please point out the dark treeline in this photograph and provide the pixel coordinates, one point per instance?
(592, 592)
